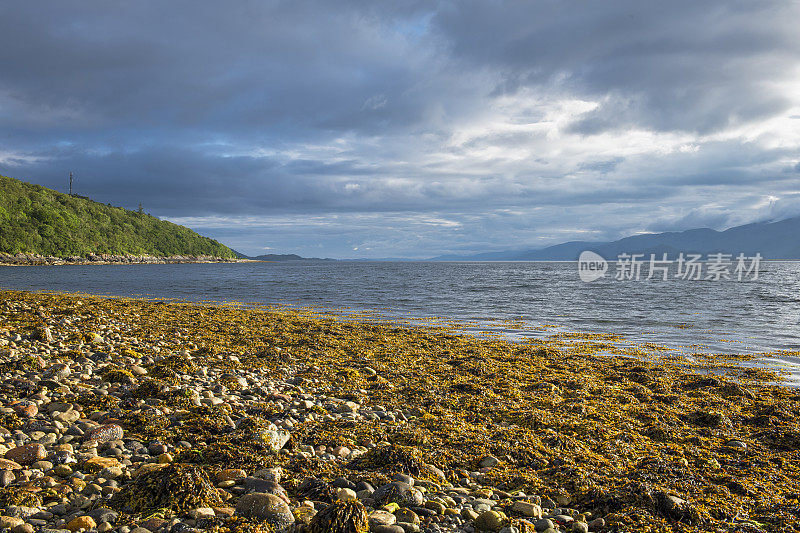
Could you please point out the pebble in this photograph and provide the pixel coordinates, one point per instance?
(82, 522)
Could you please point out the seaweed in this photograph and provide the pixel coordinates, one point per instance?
(176, 488)
(341, 517)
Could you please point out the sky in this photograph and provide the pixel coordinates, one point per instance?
(411, 129)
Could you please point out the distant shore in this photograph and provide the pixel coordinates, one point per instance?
(108, 259)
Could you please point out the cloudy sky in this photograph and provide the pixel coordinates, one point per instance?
(409, 128)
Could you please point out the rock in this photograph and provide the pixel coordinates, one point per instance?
(388, 529)
(345, 494)
(22, 528)
(7, 522)
(468, 514)
(7, 477)
(66, 417)
(580, 527)
(25, 409)
(398, 492)
(543, 524)
(267, 507)
(527, 508)
(489, 461)
(112, 472)
(44, 466)
(275, 439)
(8, 464)
(563, 500)
(489, 521)
(270, 474)
(231, 474)
(105, 433)
(407, 515)
(153, 524)
(96, 464)
(27, 454)
(103, 514)
(202, 512)
(597, 523)
(436, 507)
(256, 484)
(380, 518)
(82, 522)
(434, 472)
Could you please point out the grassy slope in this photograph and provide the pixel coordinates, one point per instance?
(34, 219)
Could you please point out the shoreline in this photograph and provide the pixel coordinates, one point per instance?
(482, 433)
(22, 259)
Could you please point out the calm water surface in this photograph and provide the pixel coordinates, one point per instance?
(722, 317)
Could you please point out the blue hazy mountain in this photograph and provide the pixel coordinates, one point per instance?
(773, 240)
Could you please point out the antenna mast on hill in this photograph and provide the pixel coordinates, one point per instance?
(70, 183)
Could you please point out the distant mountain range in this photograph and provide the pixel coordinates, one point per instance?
(278, 257)
(773, 240)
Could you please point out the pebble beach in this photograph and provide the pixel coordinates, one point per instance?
(140, 416)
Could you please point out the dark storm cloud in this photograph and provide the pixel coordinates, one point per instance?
(411, 127)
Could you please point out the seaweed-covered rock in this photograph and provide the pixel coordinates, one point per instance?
(316, 489)
(390, 457)
(18, 496)
(115, 374)
(267, 507)
(341, 517)
(397, 492)
(178, 487)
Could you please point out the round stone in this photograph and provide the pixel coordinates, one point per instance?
(105, 433)
(82, 522)
(489, 521)
(27, 454)
(267, 507)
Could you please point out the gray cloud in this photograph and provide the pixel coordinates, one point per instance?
(408, 128)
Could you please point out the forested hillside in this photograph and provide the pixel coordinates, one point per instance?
(37, 220)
